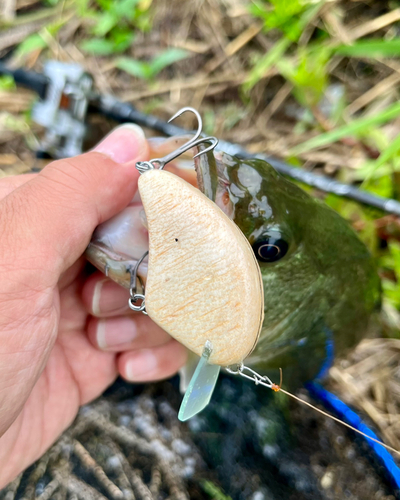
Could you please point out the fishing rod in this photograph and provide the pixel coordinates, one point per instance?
(124, 112)
(66, 96)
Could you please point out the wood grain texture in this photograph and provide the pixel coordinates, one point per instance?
(203, 282)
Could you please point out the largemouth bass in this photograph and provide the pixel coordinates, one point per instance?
(320, 281)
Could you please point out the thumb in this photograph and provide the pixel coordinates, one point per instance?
(52, 217)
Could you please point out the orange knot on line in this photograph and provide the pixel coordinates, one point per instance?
(276, 387)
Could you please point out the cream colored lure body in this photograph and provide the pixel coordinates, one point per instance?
(203, 285)
(203, 282)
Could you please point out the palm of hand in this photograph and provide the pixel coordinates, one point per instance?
(52, 356)
(75, 373)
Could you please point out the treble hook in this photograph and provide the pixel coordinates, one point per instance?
(143, 166)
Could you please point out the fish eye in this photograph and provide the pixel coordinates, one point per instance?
(270, 249)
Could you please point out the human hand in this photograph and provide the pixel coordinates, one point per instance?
(54, 354)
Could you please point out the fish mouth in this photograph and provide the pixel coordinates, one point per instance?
(210, 169)
(212, 178)
(118, 244)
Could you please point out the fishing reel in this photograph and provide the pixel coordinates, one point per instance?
(63, 109)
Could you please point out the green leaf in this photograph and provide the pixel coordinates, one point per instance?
(371, 48)
(381, 186)
(390, 152)
(394, 249)
(33, 42)
(309, 77)
(148, 70)
(105, 5)
(105, 22)
(126, 8)
(7, 82)
(261, 10)
(355, 127)
(37, 41)
(387, 162)
(281, 14)
(391, 261)
(391, 292)
(122, 39)
(266, 62)
(134, 67)
(292, 30)
(98, 46)
(213, 491)
(167, 58)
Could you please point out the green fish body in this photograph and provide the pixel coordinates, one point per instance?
(320, 288)
(320, 281)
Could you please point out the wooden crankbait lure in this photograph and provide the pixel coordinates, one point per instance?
(200, 267)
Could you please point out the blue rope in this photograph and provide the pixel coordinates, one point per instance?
(330, 355)
(342, 411)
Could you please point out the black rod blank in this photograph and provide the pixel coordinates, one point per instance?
(124, 112)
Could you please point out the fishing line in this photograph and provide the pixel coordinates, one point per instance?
(266, 382)
(276, 388)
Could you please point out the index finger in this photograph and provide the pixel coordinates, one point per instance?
(9, 184)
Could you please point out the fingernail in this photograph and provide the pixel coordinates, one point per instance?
(113, 332)
(108, 298)
(141, 366)
(124, 144)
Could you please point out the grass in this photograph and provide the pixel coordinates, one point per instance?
(307, 68)
(357, 127)
(148, 70)
(213, 491)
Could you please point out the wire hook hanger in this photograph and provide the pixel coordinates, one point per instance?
(160, 163)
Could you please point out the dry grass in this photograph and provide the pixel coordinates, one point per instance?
(369, 379)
